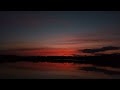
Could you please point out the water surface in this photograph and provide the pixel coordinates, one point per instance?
(48, 70)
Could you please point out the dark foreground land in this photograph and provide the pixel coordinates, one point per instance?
(102, 60)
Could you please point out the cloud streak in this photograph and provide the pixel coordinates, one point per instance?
(107, 48)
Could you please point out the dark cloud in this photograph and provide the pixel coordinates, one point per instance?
(100, 49)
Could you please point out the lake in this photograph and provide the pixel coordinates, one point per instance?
(49, 70)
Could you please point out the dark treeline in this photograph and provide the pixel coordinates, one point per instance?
(102, 60)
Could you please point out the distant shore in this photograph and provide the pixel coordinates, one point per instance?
(103, 60)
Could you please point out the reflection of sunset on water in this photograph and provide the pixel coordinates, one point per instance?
(47, 70)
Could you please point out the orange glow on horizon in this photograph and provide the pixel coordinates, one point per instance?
(53, 52)
(44, 52)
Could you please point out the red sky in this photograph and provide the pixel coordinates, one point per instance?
(59, 33)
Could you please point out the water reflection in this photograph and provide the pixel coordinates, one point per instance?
(47, 70)
(96, 69)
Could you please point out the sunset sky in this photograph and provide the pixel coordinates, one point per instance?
(58, 33)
